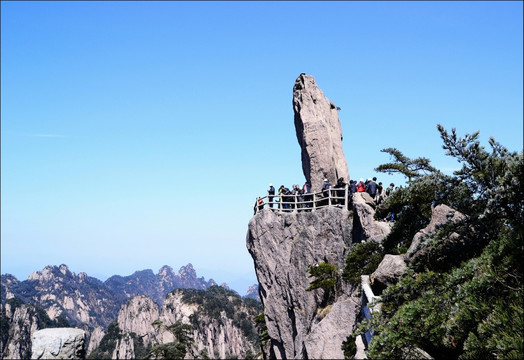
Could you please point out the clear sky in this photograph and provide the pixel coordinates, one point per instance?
(138, 134)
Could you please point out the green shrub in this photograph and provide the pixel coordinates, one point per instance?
(362, 259)
(464, 299)
(327, 278)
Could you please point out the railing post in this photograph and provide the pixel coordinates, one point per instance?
(314, 202)
(346, 198)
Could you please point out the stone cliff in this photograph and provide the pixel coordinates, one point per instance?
(19, 323)
(222, 325)
(283, 246)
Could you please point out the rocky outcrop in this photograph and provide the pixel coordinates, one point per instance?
(137, 316)
(9, 282)
(80, 299)
(217, 336)
(441, 215)
(58, 343)
(19, 323)
(319, 134)
(324, 341)
(366, 227)
(125, 348)
(388, 271)
(83, 301)
(222, 325)
(252, 293)
(283, 246)
(95, 337)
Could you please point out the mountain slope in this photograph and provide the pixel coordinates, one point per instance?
(219, 323)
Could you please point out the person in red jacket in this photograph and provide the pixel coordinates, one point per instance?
(361, 187)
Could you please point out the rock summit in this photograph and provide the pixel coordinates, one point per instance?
(319, 134)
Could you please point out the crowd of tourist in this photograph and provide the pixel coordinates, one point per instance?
(302, 198)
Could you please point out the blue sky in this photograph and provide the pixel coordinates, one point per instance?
(138, 134)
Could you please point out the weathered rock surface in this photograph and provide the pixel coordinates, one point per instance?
(94, 340)
(366, 227)
(213, 337)
(9, 282)
(440, 215)
(324, 340)
(283, 246)
(217, 337)
(137, 316)
(361, 349)
(19, 323)
(87, 302)
(78, 297)
(319, 134)
(367, 199)
(388, 272)
(58, 343)
(125, 348)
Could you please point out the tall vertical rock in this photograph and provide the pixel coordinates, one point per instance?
(19, 323)
(283, 246)
(137, 316)
(310, 324)
(319, 133)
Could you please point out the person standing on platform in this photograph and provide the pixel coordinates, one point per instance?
(271, 195)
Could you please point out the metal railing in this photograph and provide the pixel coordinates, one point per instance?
(306, 202)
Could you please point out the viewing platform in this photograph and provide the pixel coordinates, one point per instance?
(334, 197)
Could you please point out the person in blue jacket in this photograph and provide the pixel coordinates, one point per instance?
(271, 195)
(371, 187)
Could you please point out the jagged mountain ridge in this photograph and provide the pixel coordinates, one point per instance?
(82, 299)
(79, 300)
(88, 302)
(156, 286)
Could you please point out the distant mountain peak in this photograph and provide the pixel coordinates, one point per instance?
(252, 292)
(166, 271)
(63, 268)
(50, 272)
(225, 286)
(117, 289)
(187, 271)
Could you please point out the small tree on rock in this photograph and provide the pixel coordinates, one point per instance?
(176, 349)
(410, 168)
(327, 278)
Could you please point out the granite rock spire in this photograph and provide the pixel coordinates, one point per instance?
(319, 134)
